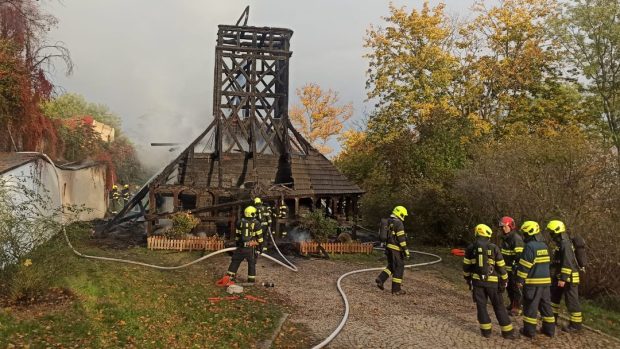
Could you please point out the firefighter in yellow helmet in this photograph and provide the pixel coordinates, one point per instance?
(263, 214)
(249, 242)
(396, 251)
(564, 275)
(534, 277)
(115, 197)
(484, 270)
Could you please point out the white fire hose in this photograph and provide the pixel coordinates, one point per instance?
(345, 317)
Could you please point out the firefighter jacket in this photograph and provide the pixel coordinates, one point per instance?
(490, 274)
(248, 229)
(396, 240)
(115, 194)
(533, 267)
(282, 211)
(263, 213)
(511, 249)
(564, 264)
(125, 193)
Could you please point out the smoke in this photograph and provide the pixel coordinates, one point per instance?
(298, 235)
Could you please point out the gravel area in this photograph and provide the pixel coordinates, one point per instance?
(434, 313)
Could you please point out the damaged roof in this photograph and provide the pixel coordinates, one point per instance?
(10, 161)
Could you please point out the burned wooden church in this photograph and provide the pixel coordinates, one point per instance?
(250, 148)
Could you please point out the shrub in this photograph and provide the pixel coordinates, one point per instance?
(182, 224)
(319, 226)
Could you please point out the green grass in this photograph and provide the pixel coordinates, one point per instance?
(600, 316)
(119, 305)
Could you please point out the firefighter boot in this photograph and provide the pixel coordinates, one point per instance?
(379, 284)
(486, 333)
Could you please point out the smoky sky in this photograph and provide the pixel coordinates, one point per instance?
(151, 61)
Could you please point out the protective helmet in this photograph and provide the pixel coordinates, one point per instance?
(126, 186)
(400, 212)
(250, 212)
(556, 227)
(114, 186)
(530, 228)
(507, 222)
(483, 230)
(257, 201)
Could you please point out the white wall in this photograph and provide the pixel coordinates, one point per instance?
(85, 187)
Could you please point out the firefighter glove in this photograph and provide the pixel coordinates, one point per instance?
(407, 255)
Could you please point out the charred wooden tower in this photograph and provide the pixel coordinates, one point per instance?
(250, 148)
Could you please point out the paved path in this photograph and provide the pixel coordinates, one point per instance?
(435, 314)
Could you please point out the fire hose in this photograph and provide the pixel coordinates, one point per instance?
(166, 267)
(345, 317)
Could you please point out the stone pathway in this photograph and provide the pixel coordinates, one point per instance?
(434, 314)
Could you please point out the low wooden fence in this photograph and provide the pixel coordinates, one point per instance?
(306, 247)
(192, 243)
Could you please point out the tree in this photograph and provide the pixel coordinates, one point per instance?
(590, 33)
(411, 68)
(69, 105)
(26, 58)
(319, 117)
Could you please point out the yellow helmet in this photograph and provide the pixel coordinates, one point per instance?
(126, 186)
(556, 227)
(400, 212)
(257, 201)
(530, 228)
(114, 186)
(250, 212)
(483, 230)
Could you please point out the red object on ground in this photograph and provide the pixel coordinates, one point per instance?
(225, 281)
(256, 299)
(219, 299)
(458, 252)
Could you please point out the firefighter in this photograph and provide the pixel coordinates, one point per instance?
(534, 277)
(564, 276)
(283, 214)
(126, 194)
(263, 213)
(115, 196)
(396, 251)
(249, 242)
(511, 248)
(484, 270)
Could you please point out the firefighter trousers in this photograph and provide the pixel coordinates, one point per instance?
(241, 253)
(395, 269)
(481, 295)
(570, 292)
(535, 299)
(514, 293)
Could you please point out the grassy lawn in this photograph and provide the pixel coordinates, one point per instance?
(596, 315)
(109, 305)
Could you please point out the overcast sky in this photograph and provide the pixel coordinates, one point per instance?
(151, 61)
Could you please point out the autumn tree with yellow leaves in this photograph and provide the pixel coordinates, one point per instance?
(513, 111)
(319, 117)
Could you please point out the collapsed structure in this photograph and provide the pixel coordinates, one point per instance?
(250, 148)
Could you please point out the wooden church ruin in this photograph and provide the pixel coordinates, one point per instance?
(250, 148)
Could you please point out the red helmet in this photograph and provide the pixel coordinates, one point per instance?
(507, 221)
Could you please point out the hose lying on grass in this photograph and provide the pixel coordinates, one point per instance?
(293, 268)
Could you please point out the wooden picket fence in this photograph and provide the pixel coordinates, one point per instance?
(190, 243)
(306, 247)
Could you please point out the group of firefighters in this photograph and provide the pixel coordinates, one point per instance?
(251, 234)
(118, 197)
(535, 277)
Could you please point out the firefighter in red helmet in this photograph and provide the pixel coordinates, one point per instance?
(511, 248)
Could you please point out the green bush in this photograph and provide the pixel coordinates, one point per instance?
(319, 226)
(182, 224)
